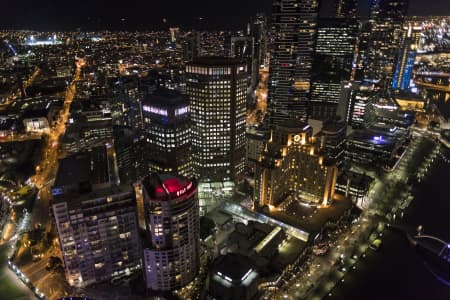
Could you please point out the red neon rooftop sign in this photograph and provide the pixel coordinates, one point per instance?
(174, 186)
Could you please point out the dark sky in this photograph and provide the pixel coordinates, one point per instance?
(148, 14)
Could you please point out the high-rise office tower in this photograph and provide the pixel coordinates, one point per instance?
(294, 25)
(386, 25)
(405, 62)
(259, 33)
(293, 164)
(356, 99)
(95, 218)
(243, 47)
(174, 34)
(126, 98)
(332, 139)
(333, 62)
(167, 133)
(191, 47)
(217, 91)
(171, 259)
(127, 154)
(255, 142)
(362, 50)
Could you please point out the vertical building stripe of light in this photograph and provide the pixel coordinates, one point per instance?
(386, 22)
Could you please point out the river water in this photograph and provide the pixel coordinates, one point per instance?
(396, 271)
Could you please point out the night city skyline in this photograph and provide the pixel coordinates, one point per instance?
(225, 150)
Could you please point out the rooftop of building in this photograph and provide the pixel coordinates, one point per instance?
(334, 125)
(248, 236)
(124, 136)
(257, 133)
(368, 85)
(89, 167)
(260, 243)
(232, 265)
(166, 98)
(213, 61)
(75, 131)
(312, 219)
(355, 178)
(83, 198)
(342, 22)
(375, 137)
(166, 186)
(94, 103)
(40, 104)
(293, 125)
(408, 95)
(8, 123)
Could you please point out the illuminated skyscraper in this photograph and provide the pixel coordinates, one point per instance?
(95, 218)
(243, 47)
(356, 99)
(294, 25)
(217, 91)
(386, 22)
(167, 131)
(362, 49)
(259, 33)
(333, 59)
(125, 95)
(405, 62)
(171, 258)
(332, 139)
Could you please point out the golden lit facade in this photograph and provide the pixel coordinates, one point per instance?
(292, 164)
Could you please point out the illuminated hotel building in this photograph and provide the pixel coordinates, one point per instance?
(386, 26)
(95, 219)
(166, 123)
(171, 256)
(294, 25)
(217, 90)
(292, 164)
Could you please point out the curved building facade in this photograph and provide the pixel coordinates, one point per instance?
(171, 257)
